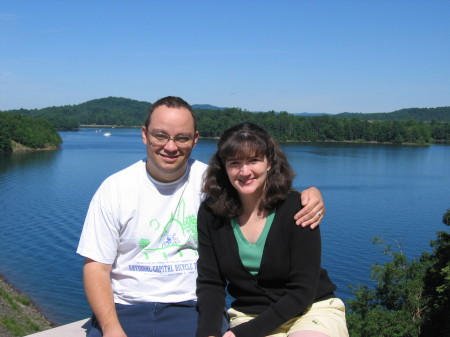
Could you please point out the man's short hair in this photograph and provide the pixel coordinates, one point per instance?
(170, 102)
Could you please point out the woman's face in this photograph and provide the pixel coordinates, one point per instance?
(248, 175)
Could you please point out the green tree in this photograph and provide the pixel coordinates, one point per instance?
(6, 121)
(31, 132)
(409, 298)
(437, 286)
(394, 307)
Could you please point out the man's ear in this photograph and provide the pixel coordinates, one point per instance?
(196, 136)
(144, 134)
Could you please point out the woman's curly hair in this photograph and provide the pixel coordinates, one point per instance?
(243, 141)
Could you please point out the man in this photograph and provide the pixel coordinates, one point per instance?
(139, 238)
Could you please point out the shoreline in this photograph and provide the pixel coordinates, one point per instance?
(19, 316)
(356, 141)
(19, 148)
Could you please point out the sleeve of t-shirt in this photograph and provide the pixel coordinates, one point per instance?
(100, 235)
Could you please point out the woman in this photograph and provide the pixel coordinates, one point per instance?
(249, 243)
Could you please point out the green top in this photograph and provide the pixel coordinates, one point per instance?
(251, 253)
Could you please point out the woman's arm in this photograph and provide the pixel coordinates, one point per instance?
(210, 285)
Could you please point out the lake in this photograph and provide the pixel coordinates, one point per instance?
(396, 192)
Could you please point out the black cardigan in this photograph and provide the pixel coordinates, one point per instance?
(290, 278)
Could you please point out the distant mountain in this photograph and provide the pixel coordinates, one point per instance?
(207, 107)
(309, 114)
(103, 111)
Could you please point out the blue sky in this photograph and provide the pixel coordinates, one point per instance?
(297, 56)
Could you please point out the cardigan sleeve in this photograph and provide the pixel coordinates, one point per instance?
(210, 284)
(304, 259)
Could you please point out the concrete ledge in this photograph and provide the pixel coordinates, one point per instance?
(75, 329)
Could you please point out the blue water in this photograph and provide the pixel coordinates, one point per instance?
(397, 192)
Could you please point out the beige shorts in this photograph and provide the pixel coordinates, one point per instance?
(327, 317)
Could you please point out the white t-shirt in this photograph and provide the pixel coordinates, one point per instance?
(147, 230)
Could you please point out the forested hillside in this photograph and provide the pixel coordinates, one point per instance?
(287, 127)
(102, 111)
(420, 126)
(441, 114)
(27, 132)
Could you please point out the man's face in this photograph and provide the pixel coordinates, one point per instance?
(167, 162)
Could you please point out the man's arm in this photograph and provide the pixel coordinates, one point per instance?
(97, 285)
(313, 208)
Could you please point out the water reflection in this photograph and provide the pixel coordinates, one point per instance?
(26, 160)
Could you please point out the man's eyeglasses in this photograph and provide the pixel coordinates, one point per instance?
(160, 138)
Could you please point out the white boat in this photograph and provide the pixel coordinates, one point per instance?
(107, 134)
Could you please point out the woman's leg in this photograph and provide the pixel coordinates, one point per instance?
(307, 333)
(323, 319)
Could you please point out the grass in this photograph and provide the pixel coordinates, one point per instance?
(18, 315)
(20, 327)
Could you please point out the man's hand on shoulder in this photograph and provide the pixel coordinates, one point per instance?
(313, 208)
